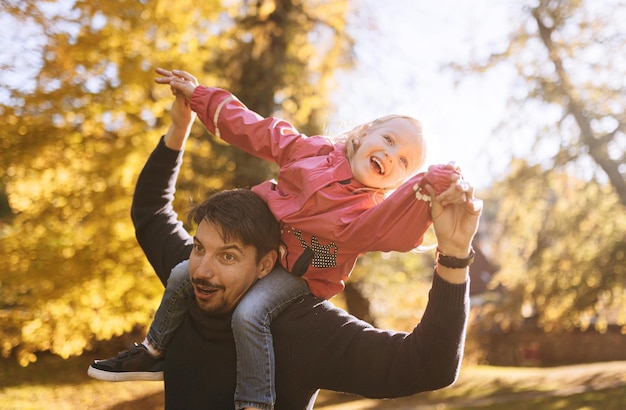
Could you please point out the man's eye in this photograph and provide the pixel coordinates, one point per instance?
(197, 248)
(229, 257)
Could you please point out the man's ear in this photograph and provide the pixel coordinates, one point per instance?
(267, 262)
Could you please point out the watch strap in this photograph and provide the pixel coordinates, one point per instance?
(455, 263)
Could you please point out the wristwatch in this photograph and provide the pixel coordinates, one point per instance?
(455, 263)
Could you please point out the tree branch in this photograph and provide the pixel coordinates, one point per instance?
(598, 146)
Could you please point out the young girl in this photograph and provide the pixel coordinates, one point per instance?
(332, 204)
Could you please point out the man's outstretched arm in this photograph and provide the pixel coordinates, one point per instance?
(159, 232)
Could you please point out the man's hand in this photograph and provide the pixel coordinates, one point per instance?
(455, 226)
(181, 113)
(456, 192)
(182, 116)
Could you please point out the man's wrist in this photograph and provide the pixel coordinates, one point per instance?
(454, 262)
(176, 136)
(458, 259)
(455, 251)
(452, 275)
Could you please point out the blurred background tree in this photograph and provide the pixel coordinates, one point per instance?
(562, 251)
(558, 224)
(74, 142)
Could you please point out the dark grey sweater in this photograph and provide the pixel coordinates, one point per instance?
(316, 345)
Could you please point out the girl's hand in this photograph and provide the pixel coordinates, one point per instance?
(446, 181)
(456, 192)
(181, 82)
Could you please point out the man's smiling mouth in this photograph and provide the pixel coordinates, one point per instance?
(203, 287)
(205, 291)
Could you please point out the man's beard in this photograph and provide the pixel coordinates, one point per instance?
(211, 307)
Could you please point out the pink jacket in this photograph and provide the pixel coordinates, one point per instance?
(326, 217)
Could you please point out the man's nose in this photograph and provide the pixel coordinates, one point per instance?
(205, 268)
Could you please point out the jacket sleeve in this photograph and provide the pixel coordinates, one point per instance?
(160, 234)
(399, 222)
(350, 356)
(270, 138)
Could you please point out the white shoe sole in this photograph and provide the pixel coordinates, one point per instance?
(123, 376)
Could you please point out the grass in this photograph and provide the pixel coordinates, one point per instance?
(52, 383)
(599, 386)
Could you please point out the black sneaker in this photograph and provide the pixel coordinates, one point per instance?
(132, 364)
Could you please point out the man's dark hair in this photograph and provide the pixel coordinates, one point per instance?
(240, 214)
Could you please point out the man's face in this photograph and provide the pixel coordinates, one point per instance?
(222, 272)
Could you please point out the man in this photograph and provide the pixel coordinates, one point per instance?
(316, 345)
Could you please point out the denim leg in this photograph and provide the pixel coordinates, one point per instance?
(172, 308)
(253, 339)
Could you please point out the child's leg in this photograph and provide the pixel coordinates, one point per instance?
(143, 361)
(172, 308)
(253, 339)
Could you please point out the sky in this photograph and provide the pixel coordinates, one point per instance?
(401, 49)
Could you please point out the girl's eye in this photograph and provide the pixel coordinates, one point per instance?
(404, 161)
(388, 139)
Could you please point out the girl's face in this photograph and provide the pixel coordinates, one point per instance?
(388, 154)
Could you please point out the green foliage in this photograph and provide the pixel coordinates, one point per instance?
(72, 147)
(562, 250)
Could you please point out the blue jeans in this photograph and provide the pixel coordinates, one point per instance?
(253, 339)
(250, 323)
(172, 308)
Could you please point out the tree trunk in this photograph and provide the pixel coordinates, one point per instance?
(357, 304)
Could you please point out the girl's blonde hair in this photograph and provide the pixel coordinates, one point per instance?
(352, 139)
